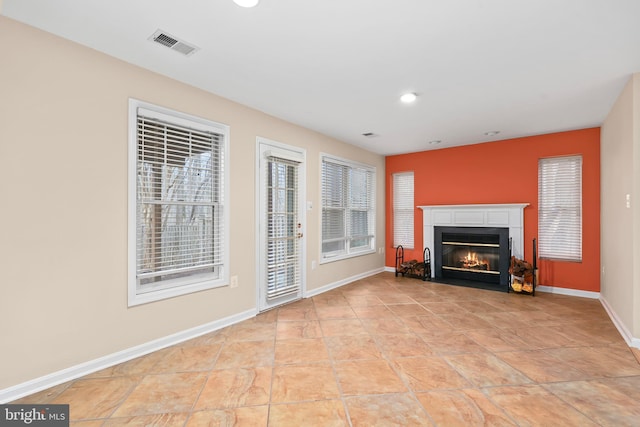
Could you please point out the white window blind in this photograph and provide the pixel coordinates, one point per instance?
(179, 202)
(403, 209)
(348, 208)
(560, 208)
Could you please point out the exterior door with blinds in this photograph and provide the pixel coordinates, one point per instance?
(280, 225)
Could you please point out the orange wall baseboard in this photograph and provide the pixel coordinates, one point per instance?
(507, 172)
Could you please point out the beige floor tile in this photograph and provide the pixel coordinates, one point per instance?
(603, 401)
(430, 325)
(464, 408)
(356, 347)
(496, 340)
(252, 331)
(591, 333)
(188, 359)
(368, 377)
(542, 367)
(165, 393)
(297, 313)
(298, 329)
(475, 357)
(465, 321)
(268, 316)
(385, 326)
(535, 406)
(330, 299)
(80, 396)
(477, 306)
(429, 373)
(391, 297)
(216, 337)
(485, 369)
(506, 320)
(403, 345)
(156, 420)
(546, 337)
(325, 413)
(609, 361)
(335, 312)
(363, 300)
(297, 383)
(446, 307)
(335, 327)
(254, 416)
(245, 354)
(236, 387)
(372, 311)
(407, 310)
(139, 366)
(386, 410)
(452, 343)
(301, 351)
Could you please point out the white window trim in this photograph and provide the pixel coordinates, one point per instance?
(176, 287)
(353, 252)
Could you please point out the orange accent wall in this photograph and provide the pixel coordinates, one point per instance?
(507, 172)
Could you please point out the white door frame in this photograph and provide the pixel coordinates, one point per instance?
(284, 151)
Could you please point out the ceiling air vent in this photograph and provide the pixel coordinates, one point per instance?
(173, 43)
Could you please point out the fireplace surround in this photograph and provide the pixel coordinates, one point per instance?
(477, 216)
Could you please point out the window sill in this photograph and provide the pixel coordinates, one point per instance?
(138, 298)
(346, 256)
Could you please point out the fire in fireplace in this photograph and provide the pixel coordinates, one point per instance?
(473, 254)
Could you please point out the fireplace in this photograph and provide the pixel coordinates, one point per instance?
(476, 256)
(484, 216)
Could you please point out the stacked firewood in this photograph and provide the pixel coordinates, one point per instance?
(522, 275)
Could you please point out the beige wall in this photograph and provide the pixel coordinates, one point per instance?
(63, 186)
(620, 170)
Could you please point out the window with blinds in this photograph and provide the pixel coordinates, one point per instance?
(560, 208)
(178, 168)
(403, 209)
(348, 208)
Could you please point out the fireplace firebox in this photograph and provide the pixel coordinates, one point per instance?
(473, 256)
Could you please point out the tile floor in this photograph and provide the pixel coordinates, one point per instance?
(382, 351)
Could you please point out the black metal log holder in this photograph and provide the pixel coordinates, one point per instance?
(414, 268)
(535, 270)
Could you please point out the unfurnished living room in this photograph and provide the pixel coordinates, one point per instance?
(320, 213)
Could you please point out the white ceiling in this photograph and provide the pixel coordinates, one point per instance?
(339, 66)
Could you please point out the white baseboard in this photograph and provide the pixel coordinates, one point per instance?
(390, 269)
(626, 334)
(82, 369)
(567, 291)
(334, 285)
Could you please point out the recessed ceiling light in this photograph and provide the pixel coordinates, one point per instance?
(246, 3)
(408, 98)
(492, 133)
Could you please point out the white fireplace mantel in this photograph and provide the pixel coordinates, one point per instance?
(494, 215)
